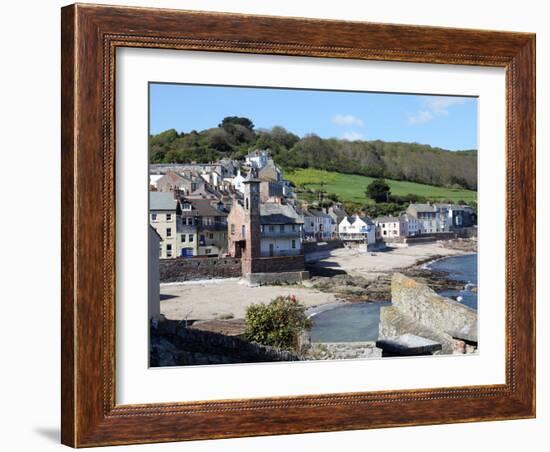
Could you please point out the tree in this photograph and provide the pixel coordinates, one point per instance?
(237, 120)
(378, 190)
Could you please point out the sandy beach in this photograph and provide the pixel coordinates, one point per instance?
(370, 265)
(219, 299)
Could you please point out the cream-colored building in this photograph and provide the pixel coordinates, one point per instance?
(163, 217)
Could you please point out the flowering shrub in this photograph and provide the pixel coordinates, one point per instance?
(276, 324)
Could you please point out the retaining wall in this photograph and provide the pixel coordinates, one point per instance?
(174, 345)
(189, 269)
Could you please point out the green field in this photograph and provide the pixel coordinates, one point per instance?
(351, 187)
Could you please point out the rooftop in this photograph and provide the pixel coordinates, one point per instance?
(387, 219)
(202, 208)
(423, 207)
(159, 200)
(273, 213)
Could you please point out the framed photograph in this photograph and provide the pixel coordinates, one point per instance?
(281, 225)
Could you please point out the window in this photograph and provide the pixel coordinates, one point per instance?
(168, 250)
(271, 228)
(246, 202)
(153, 217)
(211, 236)
(168, 232)
(190, 237)
(293, 227)
(233, 228)
(183, 238)
(160, 250)
(294, 244)
(282, 228)
(168, 217)
(190, 221)
(207, 251)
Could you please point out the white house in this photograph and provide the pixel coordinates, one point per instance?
(153, 178)
(357, 228)
(388, 227)
(257, 159)
(319, 224)
(237, 182)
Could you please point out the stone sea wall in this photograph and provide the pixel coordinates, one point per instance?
(342, 350)
(189, 269)
(417, 309)
(173, 344)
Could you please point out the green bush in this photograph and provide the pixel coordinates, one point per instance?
(276, 324)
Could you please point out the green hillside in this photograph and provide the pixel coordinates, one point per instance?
(351, 187)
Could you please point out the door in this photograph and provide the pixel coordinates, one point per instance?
(271, 249)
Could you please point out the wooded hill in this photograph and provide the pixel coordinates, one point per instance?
(235, 137)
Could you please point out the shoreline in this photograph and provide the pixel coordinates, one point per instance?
(353, 277)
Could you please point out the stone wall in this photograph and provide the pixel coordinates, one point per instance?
(274, 264)
(277, 278)
(428, 308)
(342, 350)
(417, 309)
(189, 269)
(172, 344)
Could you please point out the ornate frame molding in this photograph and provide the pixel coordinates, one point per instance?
(90, 36)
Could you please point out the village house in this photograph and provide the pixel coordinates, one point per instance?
(224, 167)
(257, 159)
(457, 216)
(187, 183)
(430, 219)
(237, 182)
(163, 215)
(318, 225)
(267, 236)
(357, 228)
(388, 228)
(203, 230)
(337, 213)
(409, 225)
(153, 179)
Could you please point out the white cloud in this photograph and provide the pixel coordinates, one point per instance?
(352, 136)
(347, 120)
(434, 107)
(440, 105)
(420, 118)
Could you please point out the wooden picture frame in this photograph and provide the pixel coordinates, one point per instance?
(90, 36)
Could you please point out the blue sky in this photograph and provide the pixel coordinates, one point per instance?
(441, 121)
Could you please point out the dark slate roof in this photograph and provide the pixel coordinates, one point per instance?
(319, 213)
(387, 219)
(367, 220)
(273, 213)
(202, 208)
(423, 207)
(159, 200)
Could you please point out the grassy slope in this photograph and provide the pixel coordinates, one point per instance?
(351, 187)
